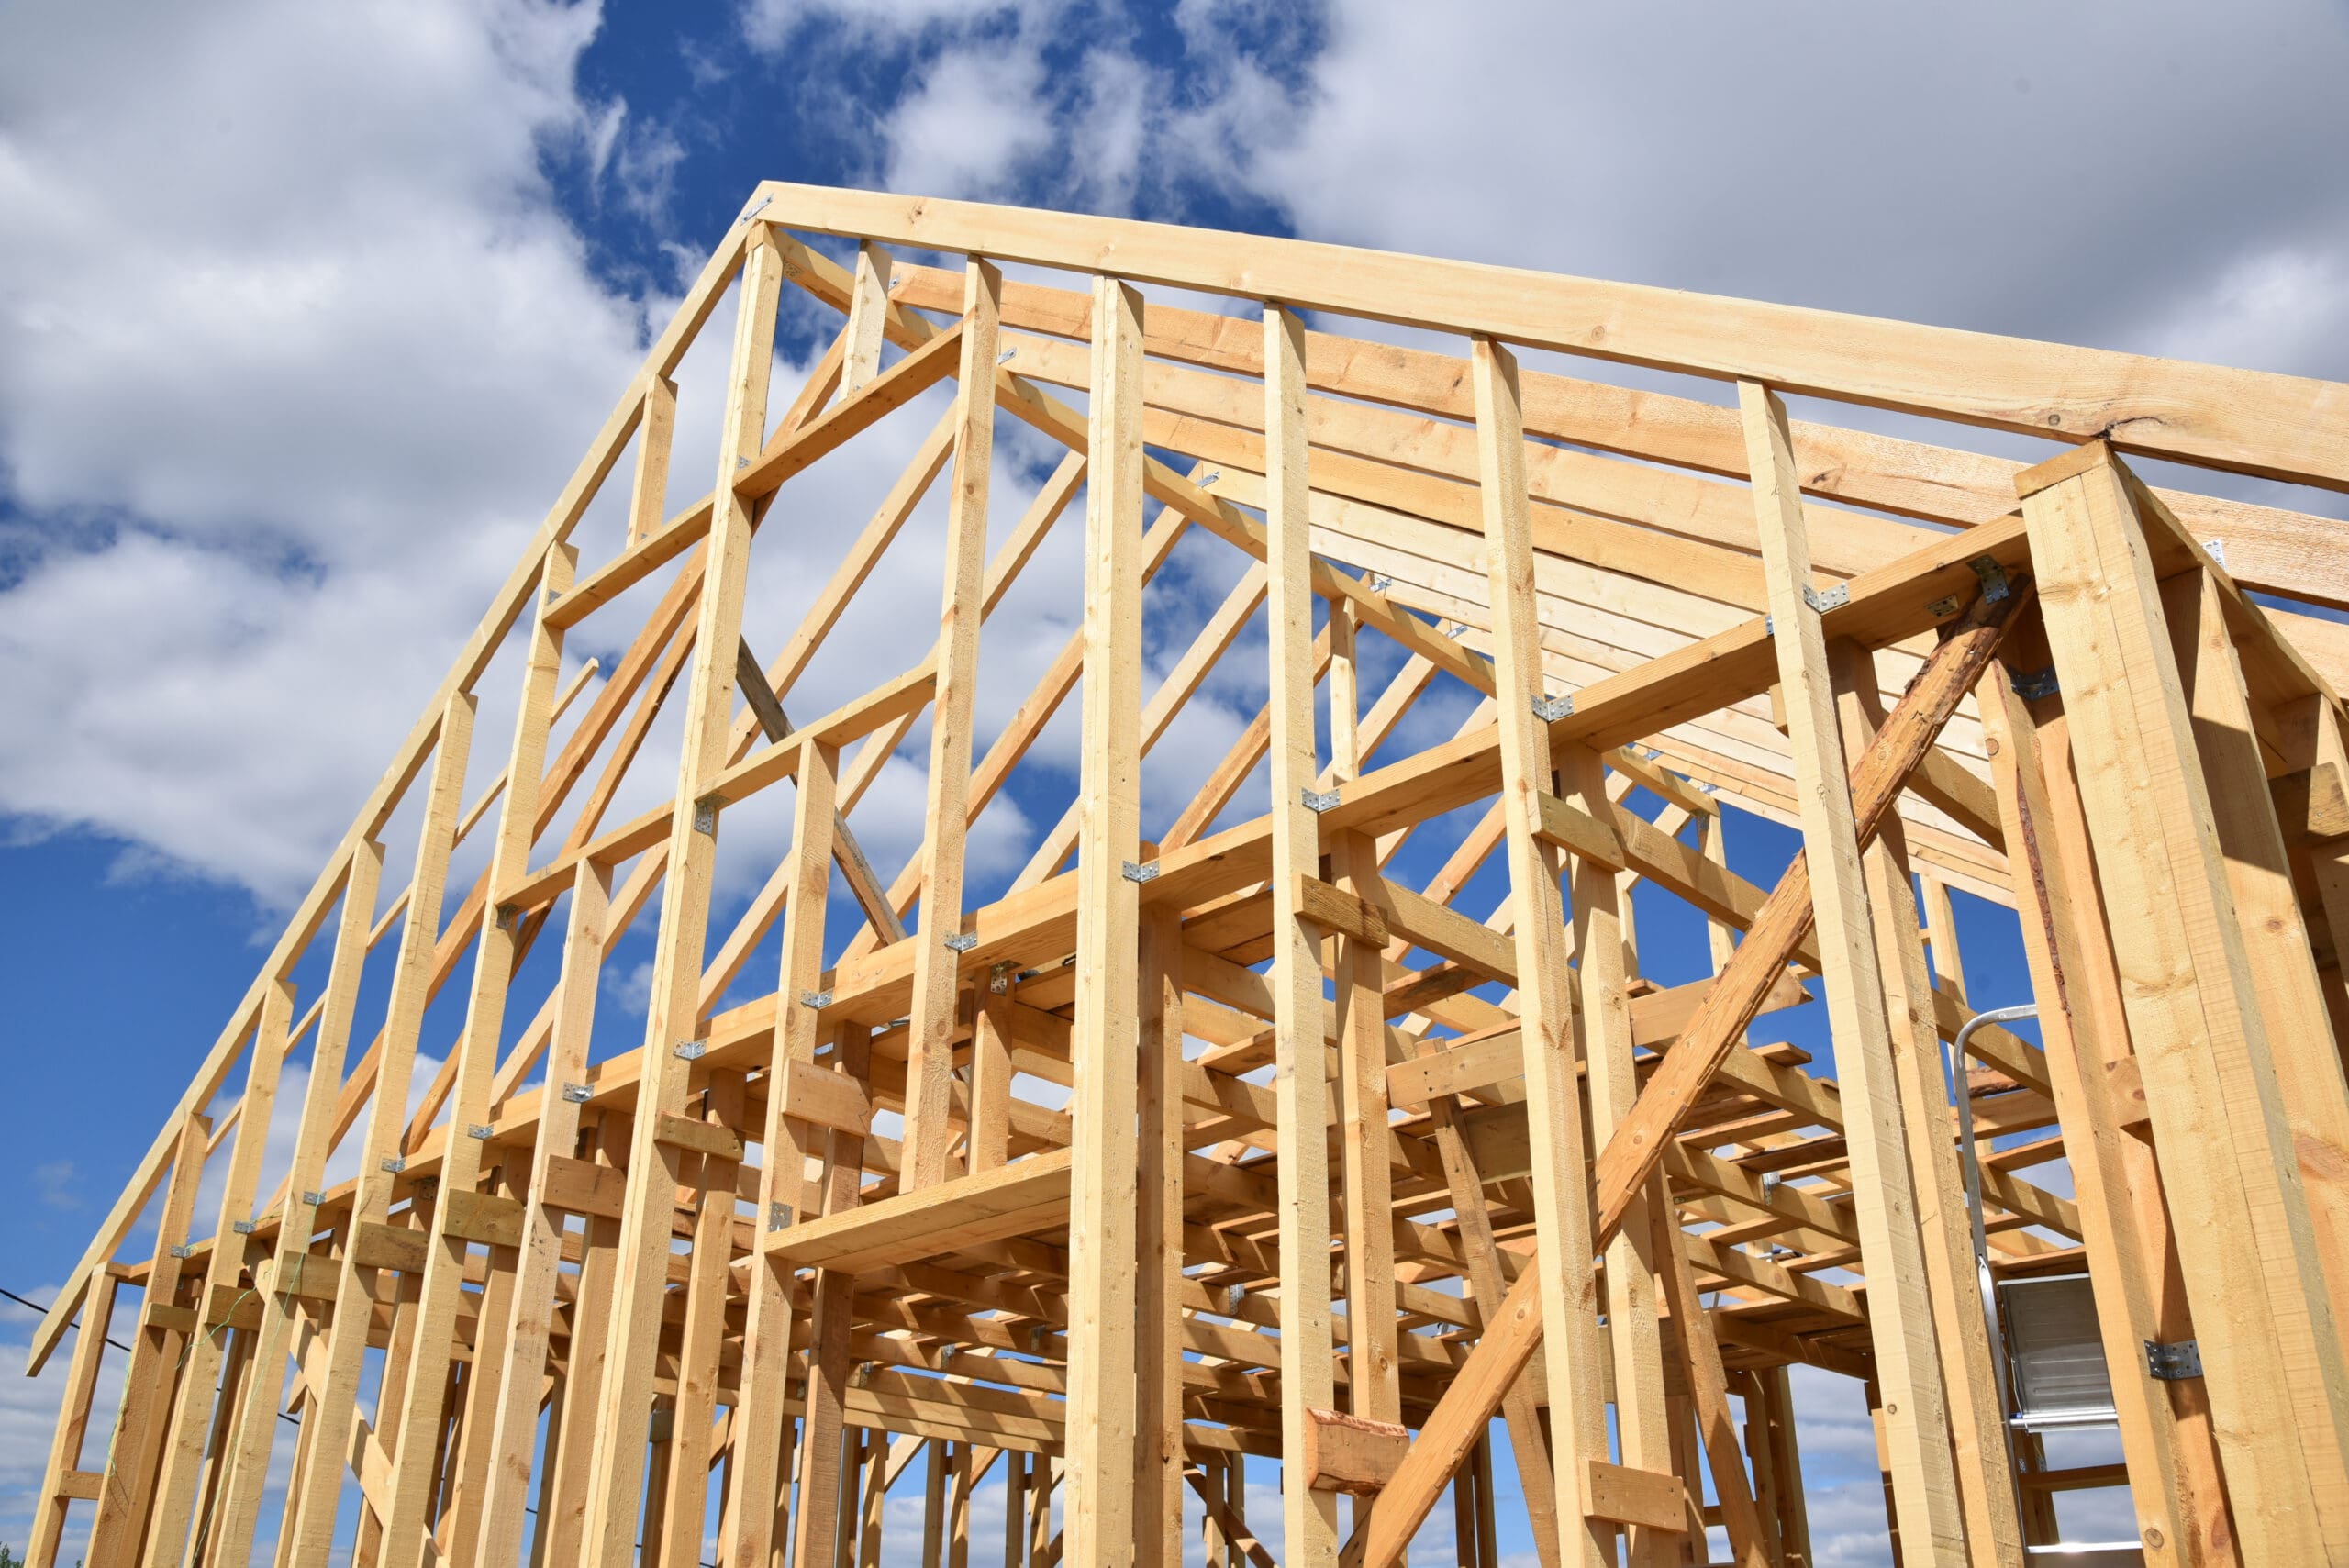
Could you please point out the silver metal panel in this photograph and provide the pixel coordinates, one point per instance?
(2055, 1353)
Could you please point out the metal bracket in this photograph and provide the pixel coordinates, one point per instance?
(2039, 683)
(1835, 598)
(1326, 800)
(1133, 873)
(184, 1250)
(1232, 1296)
(2174, 1361)
(1004, 358)
(1209, 477)
(243, 1227)
(480, 1132)
(1940, 608)
(576, 1093)
(1993, 576)
(1456, 630)
(778, 1216)
(1549, 710)
(508, 915)
(706, 813)
(2217, 549)
(756, 208)
(1381, 583)
(313, 1198)
(690, 1050)
(741, 463)
(819, 1000)
(393, 1166)
(963, 942)
(1000, 978)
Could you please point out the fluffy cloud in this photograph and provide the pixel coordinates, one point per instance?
(275, 410)
(2011, 168)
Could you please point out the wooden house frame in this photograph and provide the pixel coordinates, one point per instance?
(755, 1268)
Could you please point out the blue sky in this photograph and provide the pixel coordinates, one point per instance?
(304, 314)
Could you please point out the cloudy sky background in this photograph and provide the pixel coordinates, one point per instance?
(306, 312)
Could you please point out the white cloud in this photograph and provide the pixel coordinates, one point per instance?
(294, 350)
(2017, 168)
(976, 119)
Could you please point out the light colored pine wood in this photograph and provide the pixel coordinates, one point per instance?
(74, 1423)
(1899, 1310)
(2276, 937)
(1107, 1032)
(2185, 986)
(936, 967)
(409, 1441)
(2175, 1480)
(1556, 1115)
(519, 1267)
(1300, 1077)
(1982, 1461)
(514, 1422)
(1159, 1457)
(180, 1477)
(616, 1486)
(287, 1273)
(311, 1515)
(1602, 940)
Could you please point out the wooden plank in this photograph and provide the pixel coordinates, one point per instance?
(823, 1484)
(141, 1425)
(180, 1475)
(1309, 1519)
(825, 1098)
(1015, 1200)
(868, 312)
(2274, 933)
(1554, 1110)
(2281, 427)
(695, 1136)
(1374, 1387)
(513, 1420)
(1979, 1442)
(1602, 939)
(1528, 1441)
(1708, 1392)
(1159, 1456)
(617, 1478)
(2186, 989)
(312, 1515)
(1351, 1453)
(230, 1538)
(1899, 1310)
(1340, 912)
(684, 1507)
(1651, 1499)
(411, 1440)
(61, 1480)
(2176, 1488)
(930, 1059)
